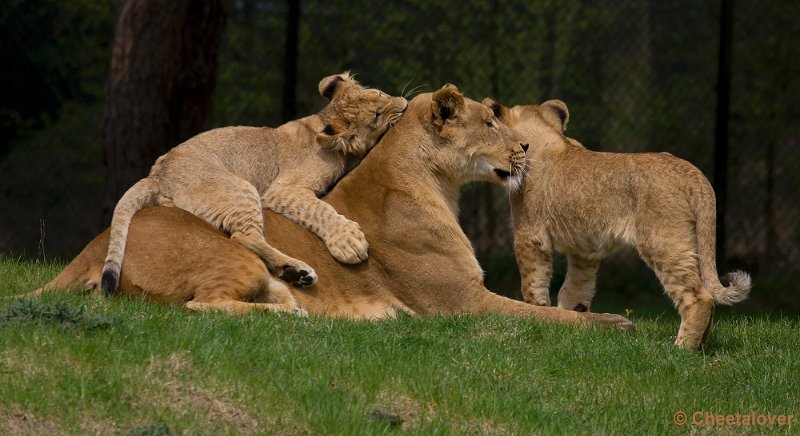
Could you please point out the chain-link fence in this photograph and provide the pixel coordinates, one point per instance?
(637, 75)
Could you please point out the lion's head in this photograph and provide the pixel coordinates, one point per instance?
(356, 117)
(540, 125)
(471, 143)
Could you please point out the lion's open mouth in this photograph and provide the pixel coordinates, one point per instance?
(503, 174)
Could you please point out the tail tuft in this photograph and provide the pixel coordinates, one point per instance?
(737, 286)
(110, 278)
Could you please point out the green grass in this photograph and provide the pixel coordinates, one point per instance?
(78, 365)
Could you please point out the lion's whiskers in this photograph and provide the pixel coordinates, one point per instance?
(403, 92)
(411, 94)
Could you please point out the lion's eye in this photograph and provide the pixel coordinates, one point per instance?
(490, 123)
(377, 114)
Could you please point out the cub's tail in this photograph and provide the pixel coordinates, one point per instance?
(143, 194)
(733, 287)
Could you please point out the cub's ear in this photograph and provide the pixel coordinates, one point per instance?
(448, 103)
(498, 109)
(331, 86)
(556, 113)
(339, 139)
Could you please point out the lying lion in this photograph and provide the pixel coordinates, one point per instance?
(405, 196)
(586, 204)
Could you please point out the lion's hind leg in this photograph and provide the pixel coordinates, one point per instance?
(277, 299)
(233, 204)
(78, 277)
(234, 307)
(243, 287)
(677, 269)
(580, 283)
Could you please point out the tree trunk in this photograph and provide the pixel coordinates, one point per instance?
(721, 128)
(163, 66)
(289, 109)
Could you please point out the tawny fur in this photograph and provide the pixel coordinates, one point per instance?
(226, 176)
(404, 194)
(586, 204)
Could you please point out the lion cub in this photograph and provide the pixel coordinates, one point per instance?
(585, 204)
(227, 175)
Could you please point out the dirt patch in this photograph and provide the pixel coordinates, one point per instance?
(175, 385)
(91, 424)
(401, 410)
(22, 362)
(18, 362)
(406, 413)
(213, 408)
(174, 392)
(174, 365)
(19, 422)
(478, 426)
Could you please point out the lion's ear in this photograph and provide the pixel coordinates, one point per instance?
(556, 113)
(339, 139)
(331, 86)
(447, 104)
(498, 109)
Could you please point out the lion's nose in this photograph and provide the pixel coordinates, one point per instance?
(524, 147)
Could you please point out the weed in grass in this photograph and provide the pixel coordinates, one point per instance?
(382, 416)
(29, 311)
(151, 429)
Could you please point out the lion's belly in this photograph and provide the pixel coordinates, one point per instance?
(594, 239)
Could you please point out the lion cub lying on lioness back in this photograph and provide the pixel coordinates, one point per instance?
(225, 176)
(585, 204)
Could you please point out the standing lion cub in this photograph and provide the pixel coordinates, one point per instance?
(585, 204)
(225, 176)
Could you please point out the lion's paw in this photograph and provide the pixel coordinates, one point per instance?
(299, 276)
(348, 245)
(536, 296)
(610, 320)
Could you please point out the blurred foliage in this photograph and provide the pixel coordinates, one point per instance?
(55, 52)
(638, 76)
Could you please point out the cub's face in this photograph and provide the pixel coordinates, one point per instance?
(538, 125)
(357, 117)
(474, 144)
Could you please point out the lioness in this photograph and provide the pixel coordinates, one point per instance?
(405, 196)
(586, 204)
(225, 176)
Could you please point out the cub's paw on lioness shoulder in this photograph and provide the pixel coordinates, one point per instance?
(348, 243)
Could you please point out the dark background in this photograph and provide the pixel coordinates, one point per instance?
(93, 91)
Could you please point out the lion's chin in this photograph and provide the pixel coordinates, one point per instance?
(514, 183)
(512, 180)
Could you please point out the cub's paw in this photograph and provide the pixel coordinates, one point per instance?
(348, 244)
(300, 276)
(609, 320)
(535, 296)
(301, 313)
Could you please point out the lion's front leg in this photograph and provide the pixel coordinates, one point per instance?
(535, 260)
(344, 238)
